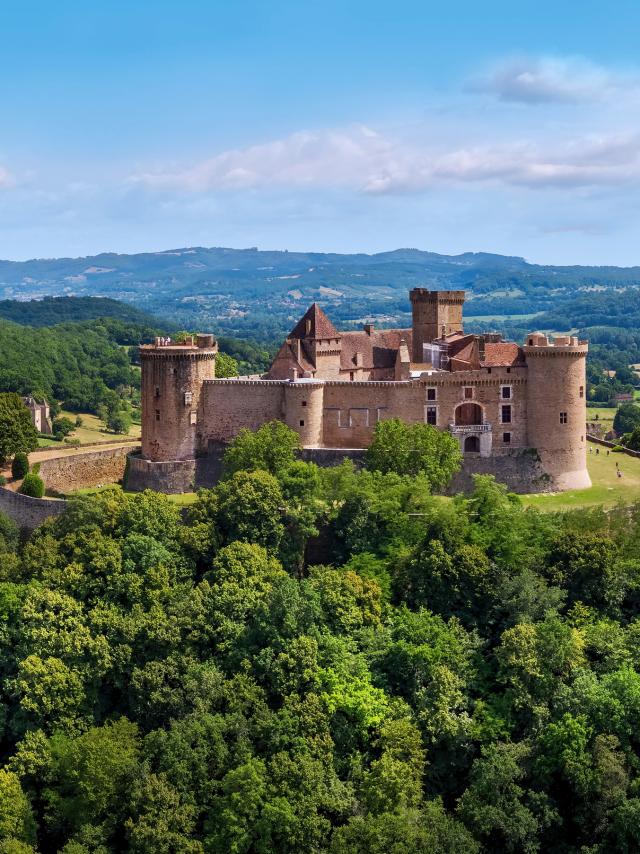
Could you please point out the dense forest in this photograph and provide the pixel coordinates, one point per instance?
(85, 362)
(321, 660)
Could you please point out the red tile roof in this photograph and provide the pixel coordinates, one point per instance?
(503, 353)
(378, 349)
(314, 323)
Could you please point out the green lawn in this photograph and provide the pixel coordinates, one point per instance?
(182, 499)
(605, 414)
(607, 488)
(93, 429)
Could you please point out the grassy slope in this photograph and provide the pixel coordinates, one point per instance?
(607, 488)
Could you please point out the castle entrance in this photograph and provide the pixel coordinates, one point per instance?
(472, 445)
(467, 414)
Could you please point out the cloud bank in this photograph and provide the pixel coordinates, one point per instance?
(369, 162)
(538, 80)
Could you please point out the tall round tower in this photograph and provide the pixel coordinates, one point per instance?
(556, 407)
(171, 382)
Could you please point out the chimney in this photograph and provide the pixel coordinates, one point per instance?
(481, 348)
(368, 328)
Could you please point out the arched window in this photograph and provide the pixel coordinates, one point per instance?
(468, 413)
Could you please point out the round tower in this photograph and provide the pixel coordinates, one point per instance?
(304, 403)
(435, 314)
(171, 382)
(556, 407)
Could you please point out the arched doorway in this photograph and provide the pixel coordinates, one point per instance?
(468, 413)
(472, 445)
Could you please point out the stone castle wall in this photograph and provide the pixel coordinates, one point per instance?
(67, 473)
(29, 512)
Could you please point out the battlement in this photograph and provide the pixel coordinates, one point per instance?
(425, 295)
(539, 339)
(191, 344)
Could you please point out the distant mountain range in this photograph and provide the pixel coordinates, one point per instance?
(260, 293)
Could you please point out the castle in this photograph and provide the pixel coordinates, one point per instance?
(517, 411)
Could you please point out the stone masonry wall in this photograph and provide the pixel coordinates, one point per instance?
(229, 405)
(29, 512)
(76, 471)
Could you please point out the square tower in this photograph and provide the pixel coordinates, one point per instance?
(436, 314)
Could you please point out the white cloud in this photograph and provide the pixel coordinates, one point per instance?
(537, 80)
(368, 162)
(6, 179)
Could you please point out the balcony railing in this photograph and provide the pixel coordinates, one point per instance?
(461, 429)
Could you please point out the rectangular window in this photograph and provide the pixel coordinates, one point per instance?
(193, 417)
(431, 394)
(351, 376)
(304, 402)
(468, 392)
(157, 415)
(506, 438)
(506, 392)
(302, 423)
(563, 418)
(506, 415)
(432, 415)
(157, 391)
(188, 398)
(581, 391)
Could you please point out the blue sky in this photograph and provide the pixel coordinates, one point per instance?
(335, 125)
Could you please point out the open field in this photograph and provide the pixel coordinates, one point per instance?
(607, 488)
(605, 415)
(93, 430)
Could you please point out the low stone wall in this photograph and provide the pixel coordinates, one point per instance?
(170, 477)
(29, 512)
(520, 470)
(607, 444)
(327, 457)
(69, 472)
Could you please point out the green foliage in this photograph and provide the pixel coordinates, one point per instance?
(226, 366)
(19, 465)
(320, 661)
(272, 447)
(410, 449)
(119, 421)
(32, 485)
(17, 433)
(62, 427)
(627, 418)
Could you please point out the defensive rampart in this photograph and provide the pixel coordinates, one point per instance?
(78, 470)
(29, 512)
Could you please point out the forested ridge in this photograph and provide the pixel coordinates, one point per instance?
(321, 660)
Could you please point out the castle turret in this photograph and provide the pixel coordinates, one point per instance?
(303, 411)
(171, 381)
(436, 314)
(556, 407)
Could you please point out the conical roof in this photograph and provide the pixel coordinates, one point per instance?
(314, 323)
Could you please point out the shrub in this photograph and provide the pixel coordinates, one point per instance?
(20, 465)
(119, 422)
(62, 427)
(3, 480)
(79, 421)
(32, 485)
